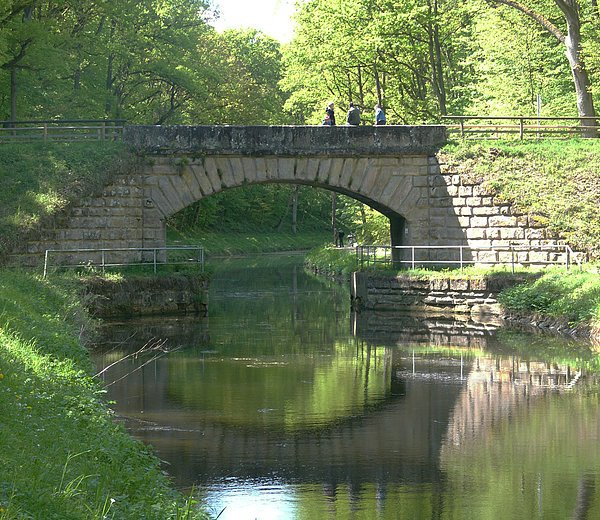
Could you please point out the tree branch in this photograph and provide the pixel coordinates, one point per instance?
(542, 20)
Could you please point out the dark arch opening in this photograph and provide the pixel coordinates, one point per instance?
(397, 222)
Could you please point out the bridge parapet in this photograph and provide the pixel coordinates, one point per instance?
(290, 141)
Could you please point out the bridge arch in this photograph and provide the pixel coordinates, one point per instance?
(386, 168)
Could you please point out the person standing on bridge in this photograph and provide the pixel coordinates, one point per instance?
(353, 117)
(379, 115)
(329, 115)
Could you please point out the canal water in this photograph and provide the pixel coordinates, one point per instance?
(283, 405)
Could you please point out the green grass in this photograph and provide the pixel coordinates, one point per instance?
(39, 180)
(63, 456)
(557, 181)
(224, 243)
(573, 296)
(332, 260)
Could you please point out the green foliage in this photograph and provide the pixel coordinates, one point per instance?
(226, 242)
(149, 61)
(62, 454)
(259, 208)
(408, 55)
(574, 296)
(332, 260)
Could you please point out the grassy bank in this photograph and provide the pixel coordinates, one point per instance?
(224, 243)
(39, 180)
(63, 457)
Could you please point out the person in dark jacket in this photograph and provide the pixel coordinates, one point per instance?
(329, 115)
(353, 117)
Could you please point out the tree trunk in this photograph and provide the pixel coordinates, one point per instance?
(378, 86)
(295, 210)
(436, 61)
(13, 93)
(583, 87)
(333, 216)
(572, 43)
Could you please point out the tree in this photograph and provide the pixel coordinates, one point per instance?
(571, 11)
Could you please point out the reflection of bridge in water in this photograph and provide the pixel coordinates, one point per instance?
(494, 385)
(397, 440)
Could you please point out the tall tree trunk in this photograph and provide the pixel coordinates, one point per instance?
(435, 52)
(333, 216)
(361, 93)
(378, 85)
(572, 43)
(13, 93)
(583, 86)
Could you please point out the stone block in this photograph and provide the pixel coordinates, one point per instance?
(479, 222)
(502, 221)
(512, 233)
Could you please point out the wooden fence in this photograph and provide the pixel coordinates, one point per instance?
(62, 130)
(522, 127)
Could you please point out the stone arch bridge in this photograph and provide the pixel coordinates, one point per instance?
(393, 169)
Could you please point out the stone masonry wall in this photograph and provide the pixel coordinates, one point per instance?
(440, 207)
(463, 211)
(447, 296)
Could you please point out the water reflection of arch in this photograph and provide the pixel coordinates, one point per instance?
(411, 425)
(409, 422)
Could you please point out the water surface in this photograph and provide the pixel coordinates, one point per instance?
(282, 405)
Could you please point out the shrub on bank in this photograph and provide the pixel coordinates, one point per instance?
(63, 457)
(332, 260)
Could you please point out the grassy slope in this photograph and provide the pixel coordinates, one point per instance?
(234, 243)
(559, 181)
(63, 457)
(39, 180)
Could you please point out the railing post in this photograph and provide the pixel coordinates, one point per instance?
(412, 255)
(462, 128)
(521, 129)
(103, 260)
(45, 131)
(154, 259)
(512, 258)
(568, 256)
(45, 263)
(461, 257)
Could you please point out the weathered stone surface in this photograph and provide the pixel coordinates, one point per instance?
(286, 140)
(177, 294)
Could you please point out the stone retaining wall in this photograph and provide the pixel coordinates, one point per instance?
(140, 296)
(446, 296)
(462, 211)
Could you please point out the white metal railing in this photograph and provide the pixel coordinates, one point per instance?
(116, 257)
(514, 255)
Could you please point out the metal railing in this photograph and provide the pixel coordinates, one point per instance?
(124, 257)
(523, 126)
(461, 256)
(62, 130)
